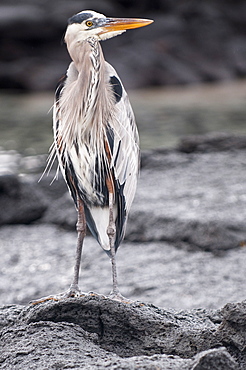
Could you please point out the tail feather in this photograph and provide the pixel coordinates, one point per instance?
(97, 219)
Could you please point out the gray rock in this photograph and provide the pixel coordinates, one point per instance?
(199, 200)
(20, 201)
(214, 142)
(133, 329)
(96, 332)
(233, 326)
(38, 260)
(215, 359)
(62, 212)
(9, 314)
(52, 188)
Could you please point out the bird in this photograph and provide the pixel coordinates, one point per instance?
(96, 139)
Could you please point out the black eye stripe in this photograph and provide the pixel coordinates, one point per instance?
(82, 17)
(79, 18)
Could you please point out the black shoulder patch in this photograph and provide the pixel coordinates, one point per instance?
(79, 18)
(71, 179)
(110, 137)
(117, 88)
(59, 87)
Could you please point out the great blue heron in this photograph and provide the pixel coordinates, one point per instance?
(95, 136)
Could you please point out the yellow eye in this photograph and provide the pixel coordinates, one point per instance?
(89, 23)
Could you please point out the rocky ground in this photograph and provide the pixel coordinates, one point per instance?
(189, 42)
(94, 332)
(184, 251)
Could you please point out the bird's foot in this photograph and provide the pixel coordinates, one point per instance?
(117, 296)
(72, 292)
(95, 294)
(46, 299)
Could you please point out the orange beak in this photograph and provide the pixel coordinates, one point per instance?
(118, 24)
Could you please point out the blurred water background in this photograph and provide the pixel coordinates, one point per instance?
(164, 115)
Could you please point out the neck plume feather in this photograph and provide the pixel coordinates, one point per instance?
(86, 104)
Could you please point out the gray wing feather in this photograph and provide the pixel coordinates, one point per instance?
(125, 160)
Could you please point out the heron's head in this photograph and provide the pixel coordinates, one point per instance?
(88, 23)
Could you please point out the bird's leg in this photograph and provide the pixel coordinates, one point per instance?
(81, 229)
(74, 290)
(111, 231)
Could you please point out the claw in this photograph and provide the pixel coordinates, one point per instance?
(73, 292)
(45, 299)
(119, 297)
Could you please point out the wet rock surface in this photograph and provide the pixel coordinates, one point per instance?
(188, 43)
(184, 251)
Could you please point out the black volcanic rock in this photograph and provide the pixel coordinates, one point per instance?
(188, 43)
(214, 142)
(20, 201)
